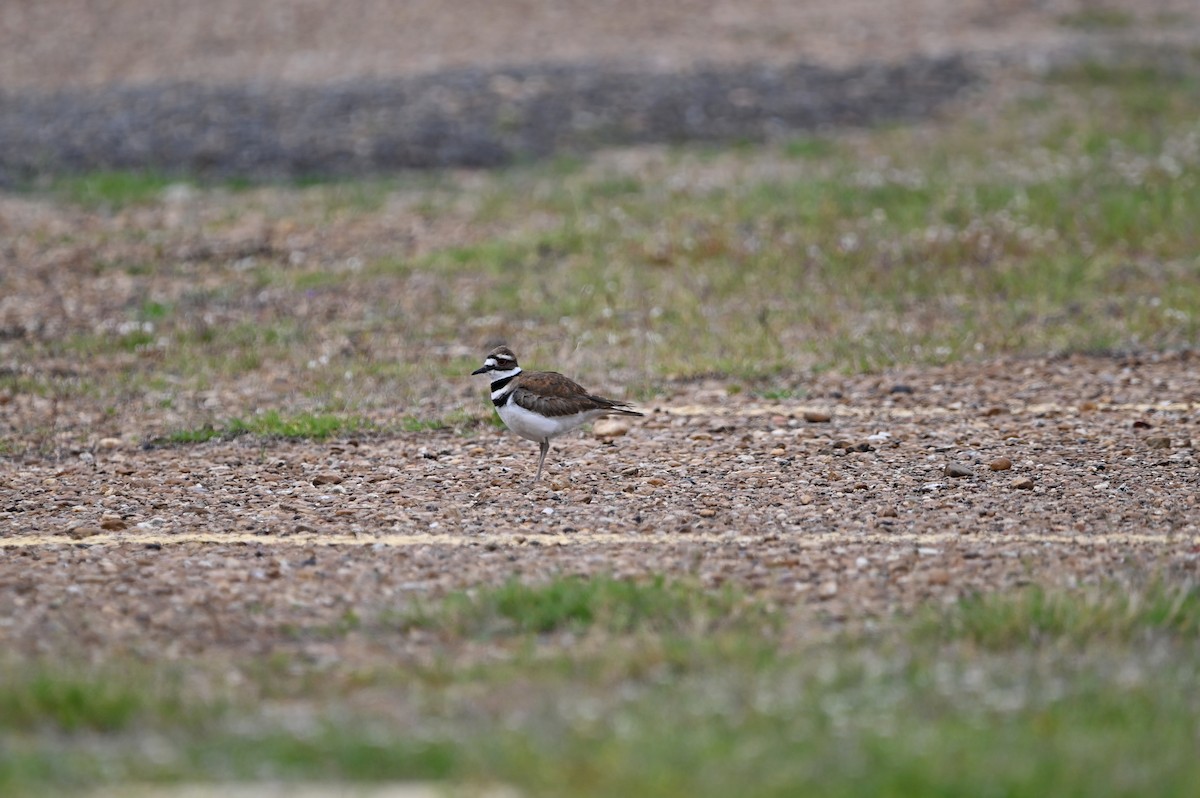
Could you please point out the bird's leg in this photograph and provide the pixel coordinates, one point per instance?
(544, 446)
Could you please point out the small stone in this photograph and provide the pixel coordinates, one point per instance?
(85, 531)
(827, 590)
(327, 478)
(611, 427)
(1021, 483)
(630, 471)
(816, 416)
(939, 576)
(1000, 464)
(108, 443)
(901, 388)
(112, 521)
(707, 512)
(1088, 406)
(993, 411)
(657, 482)
(1141, 424)
(888, 512)
(806, 499)
(1158, 442)
(778, 452)
(958, 470)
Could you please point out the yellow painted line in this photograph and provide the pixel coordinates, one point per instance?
(804, 540)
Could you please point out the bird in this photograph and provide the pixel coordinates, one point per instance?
(540, 405)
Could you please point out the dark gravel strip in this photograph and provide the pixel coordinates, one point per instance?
(469, 117)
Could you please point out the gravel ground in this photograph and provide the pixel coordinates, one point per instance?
(1074, 471)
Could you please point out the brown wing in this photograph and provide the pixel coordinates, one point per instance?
(553, 394)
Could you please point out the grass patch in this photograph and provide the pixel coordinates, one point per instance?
(1098, 18)
(1035, 616)
(113, 190)
(273, 424)
(65, 699)
(577, 605)
(772, 711)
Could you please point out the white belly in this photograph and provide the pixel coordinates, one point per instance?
(535, 427)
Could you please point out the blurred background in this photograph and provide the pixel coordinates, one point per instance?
(306, 87)
(210, 209)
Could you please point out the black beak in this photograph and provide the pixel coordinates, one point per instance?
(481, 370)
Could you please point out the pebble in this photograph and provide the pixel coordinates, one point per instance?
(888, 512)
(939, 576)
(108, 443)
(611, 427)
(327, 478)
(1021, 483)
(958, 470)
(1158, 442)
(1000, 464)
(85, 531)
(827, 590)
(112, 521)
(816, 416)
(707, 512)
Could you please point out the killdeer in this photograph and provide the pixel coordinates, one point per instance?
(540, 405)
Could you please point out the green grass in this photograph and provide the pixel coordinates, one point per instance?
(575, 604)
(113, 190)
(274, 424)
(1036, 615)
(598, 687)
(1099, 18)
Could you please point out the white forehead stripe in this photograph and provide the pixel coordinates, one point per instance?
(491, 361)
